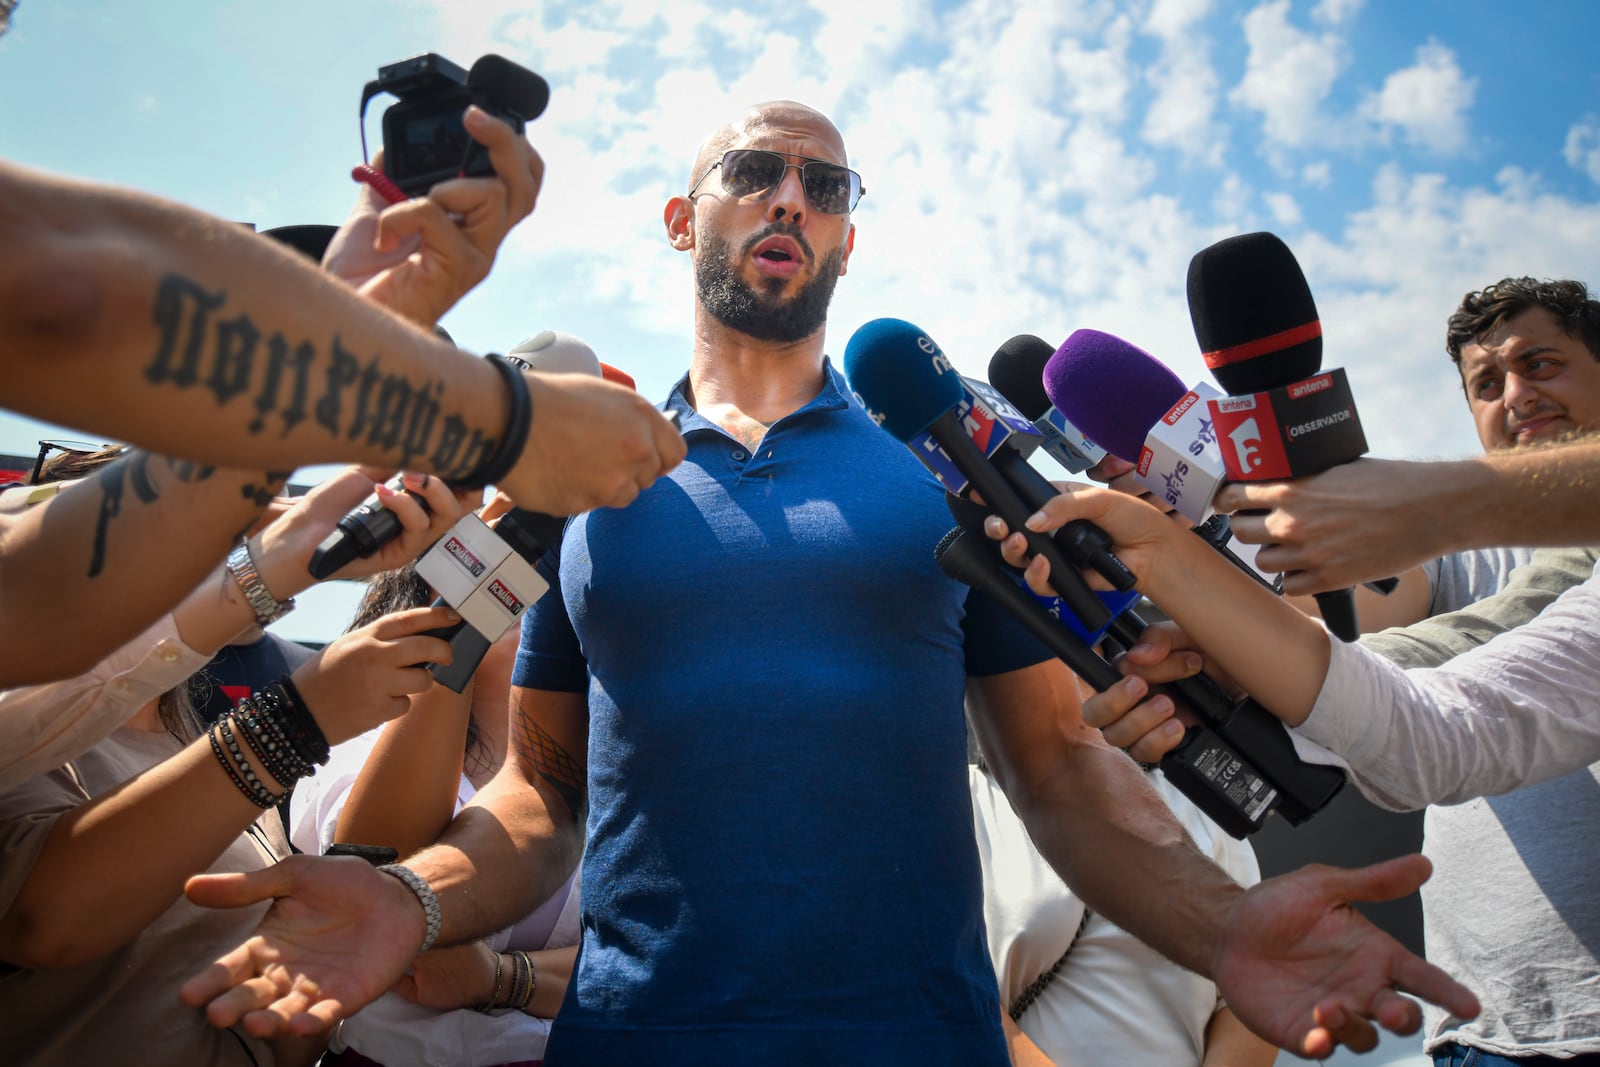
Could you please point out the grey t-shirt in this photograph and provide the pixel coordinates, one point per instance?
(1513, 907)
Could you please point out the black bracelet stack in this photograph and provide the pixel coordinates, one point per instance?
(499, 463)
(265, 736)
(279, 731)
(282, 700)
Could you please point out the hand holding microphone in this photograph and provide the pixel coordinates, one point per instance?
(1258, 329)
(974, 441)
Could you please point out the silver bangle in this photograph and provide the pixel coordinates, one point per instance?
(425, 896)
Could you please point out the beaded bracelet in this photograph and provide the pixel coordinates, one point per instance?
(259, 792)
(239, 768)
(496, 466)
(533, 981)
(266, 737)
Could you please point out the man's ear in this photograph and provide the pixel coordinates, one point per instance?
(679, 218)
(849, 246)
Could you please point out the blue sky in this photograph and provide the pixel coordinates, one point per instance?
(1030, 167)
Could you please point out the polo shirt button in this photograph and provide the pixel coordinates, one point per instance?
(739, 454)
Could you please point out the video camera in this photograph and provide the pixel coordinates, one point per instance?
(424, 141)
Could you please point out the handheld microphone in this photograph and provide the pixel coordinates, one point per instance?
(371, 526)
(1131, 403)
(908, 386)
(1204, 767)
(1017, 370)
(1254, 738)
(960, 431)
(487, 574)
(1258, 331)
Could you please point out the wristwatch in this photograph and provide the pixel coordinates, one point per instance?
(242, 565)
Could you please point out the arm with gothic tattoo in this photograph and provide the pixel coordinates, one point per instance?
(193, 337)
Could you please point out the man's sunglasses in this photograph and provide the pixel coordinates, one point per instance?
(752, 174)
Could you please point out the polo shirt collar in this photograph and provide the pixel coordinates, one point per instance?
(833, 396)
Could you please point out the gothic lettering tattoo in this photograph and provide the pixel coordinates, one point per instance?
(288, 381)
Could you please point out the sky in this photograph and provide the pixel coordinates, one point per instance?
(1030, 167)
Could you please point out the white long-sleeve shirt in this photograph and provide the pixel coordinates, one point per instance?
(1520, 710)
(44, 726)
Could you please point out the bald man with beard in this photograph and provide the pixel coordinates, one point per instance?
(742, 702)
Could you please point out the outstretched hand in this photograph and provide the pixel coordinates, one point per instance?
(338, 934)
(1306, 971)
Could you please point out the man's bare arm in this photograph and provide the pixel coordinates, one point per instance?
(195, 338)
(113, 552)
(526, 825)
(1373, 518)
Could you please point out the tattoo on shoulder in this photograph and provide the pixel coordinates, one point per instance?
(553, 763)
(204, 345)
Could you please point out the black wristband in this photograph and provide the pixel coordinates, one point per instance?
(302, 726)
(498, 464)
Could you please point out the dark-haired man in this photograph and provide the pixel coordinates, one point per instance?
(747, 687)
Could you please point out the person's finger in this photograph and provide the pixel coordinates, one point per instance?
(1139, 721)
(1251, 529)
(1394, 1013)
(1159, 662)
(1159, 741)
(425, 219)
(223, 976)
(1104, 709)
(1250, 496)
(516, 162)
(238, 889)
(1423, 980)
(403, 624)
(1348, 1028)
(1388, 880)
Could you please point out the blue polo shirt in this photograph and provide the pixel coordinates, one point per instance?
(780, 865)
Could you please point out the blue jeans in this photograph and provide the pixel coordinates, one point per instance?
(1454, 1055)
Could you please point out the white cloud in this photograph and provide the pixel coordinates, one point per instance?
(1288, 75)
(1318, 175)
(1171, 19)
(1182, 115)
(1285, 212)
(1335, 12)
(1427, 102)
(1582, 148)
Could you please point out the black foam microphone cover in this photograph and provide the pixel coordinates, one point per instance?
(509, 85)
(1017, 370)
(1253, 314)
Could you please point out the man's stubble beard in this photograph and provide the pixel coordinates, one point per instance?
(762, 313)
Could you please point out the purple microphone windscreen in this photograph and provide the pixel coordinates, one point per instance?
(1112, 391)
(1017, 370)
(1253, 314)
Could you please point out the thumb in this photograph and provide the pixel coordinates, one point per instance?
(1381, 881)
(237, 890)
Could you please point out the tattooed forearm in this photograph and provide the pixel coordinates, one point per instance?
(133, 471)
(354, 400)
(552, 763)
